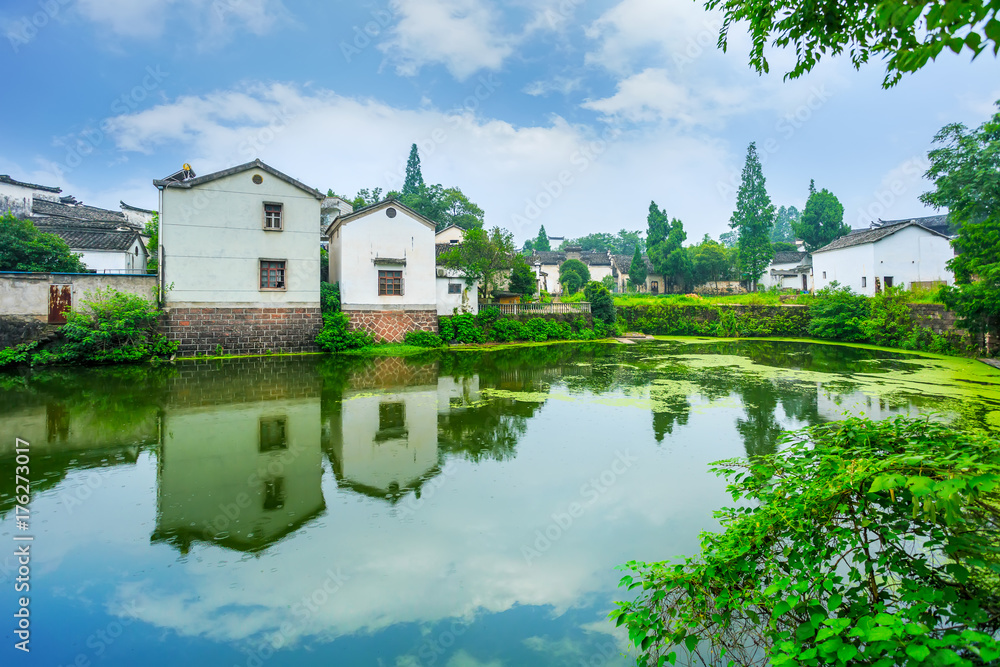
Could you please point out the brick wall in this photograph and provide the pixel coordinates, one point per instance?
(393, 325)
(243, 330)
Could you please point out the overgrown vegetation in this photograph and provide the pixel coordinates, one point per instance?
(489, 326)
(24, 248)
(859, 543)
(329, 297)
(336, 335)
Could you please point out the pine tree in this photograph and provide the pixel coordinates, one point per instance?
(753, 219)
(658, 224)
(542, 241)
(637, 270)
(414, 182)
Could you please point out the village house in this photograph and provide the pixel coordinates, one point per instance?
(546, 265)
(454, 295)
(904, 253)
(105, 247)
(239, 259)
(17, 197)
(450, 235)
(385, 260)
(622, 264)
(789, 270)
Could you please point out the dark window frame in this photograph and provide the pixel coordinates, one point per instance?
(266, 268)
(274, 213)
(454, 288)
(390, 283)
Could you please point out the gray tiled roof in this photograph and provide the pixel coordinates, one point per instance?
(935, 223)
(92, 238)
(788, 257)
(556, 257)
(256, 164)
(4, 178)
(863, 236)
(41, 207)
(624, 262)
(135, 208)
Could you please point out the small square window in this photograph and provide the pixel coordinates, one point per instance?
(888, 282)
(272, 217)
(824, 275)
(274, 493)
(390, 283)
(864, 281)
(391, 422)
(273, 434)
(272, 274)
(454, 288)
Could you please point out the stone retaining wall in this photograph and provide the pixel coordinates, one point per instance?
(935, 317)
(17, 330)
(392, 325)
(242, 330)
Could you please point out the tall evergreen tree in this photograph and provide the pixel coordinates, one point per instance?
(542, 241)
(637, 270)
(782, 231)
(414, 182)
(822, 221)
(658, 225)
(753, 219)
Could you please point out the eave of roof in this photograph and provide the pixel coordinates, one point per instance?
(135, 208)
(385, 203)
(4, 178)
(256, 164)
(866, 236)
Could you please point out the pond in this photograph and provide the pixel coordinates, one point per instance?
(461, 509)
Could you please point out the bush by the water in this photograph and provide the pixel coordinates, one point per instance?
(602, 304)
(423, 339)
(670, 319)
(838, 314)
(329, 297)
(859, 543)
(336, 335)
(491, 326)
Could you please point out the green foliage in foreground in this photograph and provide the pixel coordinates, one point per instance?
(329, 297)
(24, 248)
(861, 543)
(489, 326)
(336, 335)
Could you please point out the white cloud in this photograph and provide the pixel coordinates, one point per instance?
(462, 35)
(523, 176)
(647, 96)
(148, 18)
(558, 84)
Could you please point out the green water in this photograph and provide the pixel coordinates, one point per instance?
(461, 509)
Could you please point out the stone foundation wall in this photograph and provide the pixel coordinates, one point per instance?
(935, 317)
(242, 330)
(17, 330)
(392, 325)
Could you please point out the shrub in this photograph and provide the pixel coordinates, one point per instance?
(446, 329)
(112, 327)
(536, 329)
(838, 314)
(336, 336)
(505, 330)
(466, 329)
(574, 274)
(329, 297)
(487, 316)
(602, 304)
(17, 355)
(423, 339)
(859, 543)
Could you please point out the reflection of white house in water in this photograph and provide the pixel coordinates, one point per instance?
(386, 444)
(242, 475)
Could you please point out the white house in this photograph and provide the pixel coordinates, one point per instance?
(17, 197)
(240, 260)
(622, 264)
(385, 260)
(105, 247)
(789, 270)
(450, 235)
(546, 265)
(866, 260)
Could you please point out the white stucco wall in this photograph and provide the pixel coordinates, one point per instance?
(26, 295)
(449, 304)
(450, 235)
(212, 239)
(137, 217)
(356, 243)
(910, 255)
(108, 261)
(17, 198)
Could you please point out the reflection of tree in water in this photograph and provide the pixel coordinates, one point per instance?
(485, 432)
(760, 428)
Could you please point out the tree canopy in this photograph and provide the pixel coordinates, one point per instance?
(24, 248)
(710, 261)
(782, 231)
(753, 219)
(822, 221)
(542, 240)
(637, 270)
(483, 257)
(574, 274)
(906, 33)
(965, 169)
(623, 243)
(414, 181)
(522, 278)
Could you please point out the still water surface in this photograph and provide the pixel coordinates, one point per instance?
(459, 510)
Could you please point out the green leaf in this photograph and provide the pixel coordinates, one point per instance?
(847, 653)
(918, 652)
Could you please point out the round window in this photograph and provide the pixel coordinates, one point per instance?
(390, 212)
(258, 179)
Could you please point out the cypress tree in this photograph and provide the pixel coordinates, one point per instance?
(753, 219)
(542, 242)
(414, 182)
(637, 270)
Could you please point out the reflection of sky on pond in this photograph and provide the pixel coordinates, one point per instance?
(464, 510)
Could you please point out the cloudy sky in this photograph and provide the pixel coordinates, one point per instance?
(569, 113)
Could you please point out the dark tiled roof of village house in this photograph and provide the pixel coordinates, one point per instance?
(788, 257)
(256, 164)
(4, 178)
(622, 263)
(935, 223)
(135, 208)
(556, 257)
(41, 207)
(92, 238)
(862, 236)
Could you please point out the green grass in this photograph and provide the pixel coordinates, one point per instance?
(757, 299)
(388, 350)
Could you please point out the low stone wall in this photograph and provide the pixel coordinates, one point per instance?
(242, 330)
(26, 295)
(935, 317)
(392, 325)
(17, 330)
(569, 318)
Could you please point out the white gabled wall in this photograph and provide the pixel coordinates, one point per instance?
(375, 235)
(847, 266)
(213, 239)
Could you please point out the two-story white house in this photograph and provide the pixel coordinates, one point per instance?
(384, 258)
(867, 260)
(239, 260)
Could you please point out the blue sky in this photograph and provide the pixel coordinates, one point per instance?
(569, 113)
